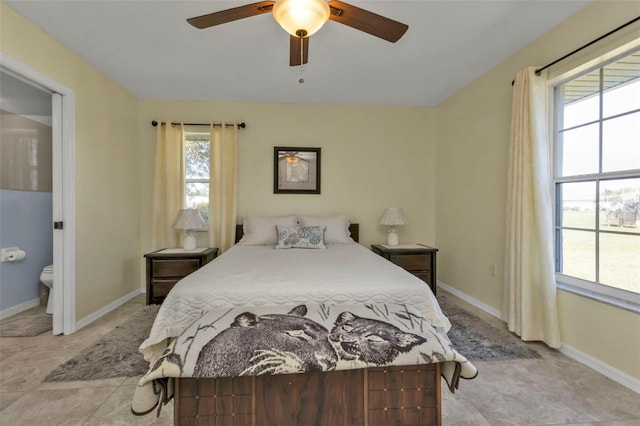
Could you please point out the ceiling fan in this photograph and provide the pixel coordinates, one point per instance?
(302, 18)
(291, 156)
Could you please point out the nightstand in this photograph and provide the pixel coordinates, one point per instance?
(168, 266)
(420, 261)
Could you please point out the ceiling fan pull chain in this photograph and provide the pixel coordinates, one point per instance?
(301, 34)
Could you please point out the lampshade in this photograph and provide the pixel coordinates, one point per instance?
(393, 216)
(306, 15)
(189, 220)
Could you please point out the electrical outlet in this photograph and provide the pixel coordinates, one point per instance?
(493, 270)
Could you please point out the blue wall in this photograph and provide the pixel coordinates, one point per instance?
(26, 222)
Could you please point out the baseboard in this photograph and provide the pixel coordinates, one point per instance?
(475, 302)
(611, 372)
(110, 307)
(607, 370)
(6, 313)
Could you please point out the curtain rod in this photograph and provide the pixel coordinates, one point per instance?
(539, 70)
(242, 125)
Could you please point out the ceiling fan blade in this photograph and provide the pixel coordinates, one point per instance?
(229, 15)
(295, 44)
(369, 22)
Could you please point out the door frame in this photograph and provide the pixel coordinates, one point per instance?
(64, 189)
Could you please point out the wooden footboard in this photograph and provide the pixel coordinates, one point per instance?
(387, 396)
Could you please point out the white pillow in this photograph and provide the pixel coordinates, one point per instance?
(261, 230)
(337, 227)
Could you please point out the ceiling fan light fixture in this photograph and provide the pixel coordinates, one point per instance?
(305, 15)
(291, 156)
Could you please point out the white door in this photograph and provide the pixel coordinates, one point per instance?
(58, 224)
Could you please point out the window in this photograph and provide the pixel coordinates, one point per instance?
(597, 181)
(196, 160)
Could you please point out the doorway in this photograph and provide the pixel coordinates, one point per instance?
(63, 188)
(26, 199)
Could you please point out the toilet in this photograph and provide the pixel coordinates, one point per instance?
(46, 277)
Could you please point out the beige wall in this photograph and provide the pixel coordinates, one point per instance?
(372, 158)
(107, 190)
(472, 151)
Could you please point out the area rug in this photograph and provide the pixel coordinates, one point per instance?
(26, 326)
(114, 355)
(478, 340)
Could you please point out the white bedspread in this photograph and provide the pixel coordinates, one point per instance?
(261, 275)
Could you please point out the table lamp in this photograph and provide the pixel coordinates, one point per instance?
(393, 216)
(189, 220)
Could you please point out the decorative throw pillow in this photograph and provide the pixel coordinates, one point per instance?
(300, 237)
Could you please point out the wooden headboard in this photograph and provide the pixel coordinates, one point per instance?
(354, 228)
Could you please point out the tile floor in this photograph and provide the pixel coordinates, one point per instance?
(553, 390)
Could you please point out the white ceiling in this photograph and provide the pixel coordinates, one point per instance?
(148, 47)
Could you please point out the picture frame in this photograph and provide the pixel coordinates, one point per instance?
(296, 170)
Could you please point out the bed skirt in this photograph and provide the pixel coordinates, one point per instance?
(389, 396)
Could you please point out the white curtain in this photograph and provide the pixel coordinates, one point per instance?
(168, 185)
(529, 298)
(223, 190)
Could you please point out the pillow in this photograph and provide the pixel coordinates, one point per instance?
(301, 237)
(261, 230)
(337, 227)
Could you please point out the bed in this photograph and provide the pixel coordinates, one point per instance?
(330, 301)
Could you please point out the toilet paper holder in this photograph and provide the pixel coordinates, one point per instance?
(11, 254)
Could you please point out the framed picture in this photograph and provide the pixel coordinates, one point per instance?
(296, 170)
